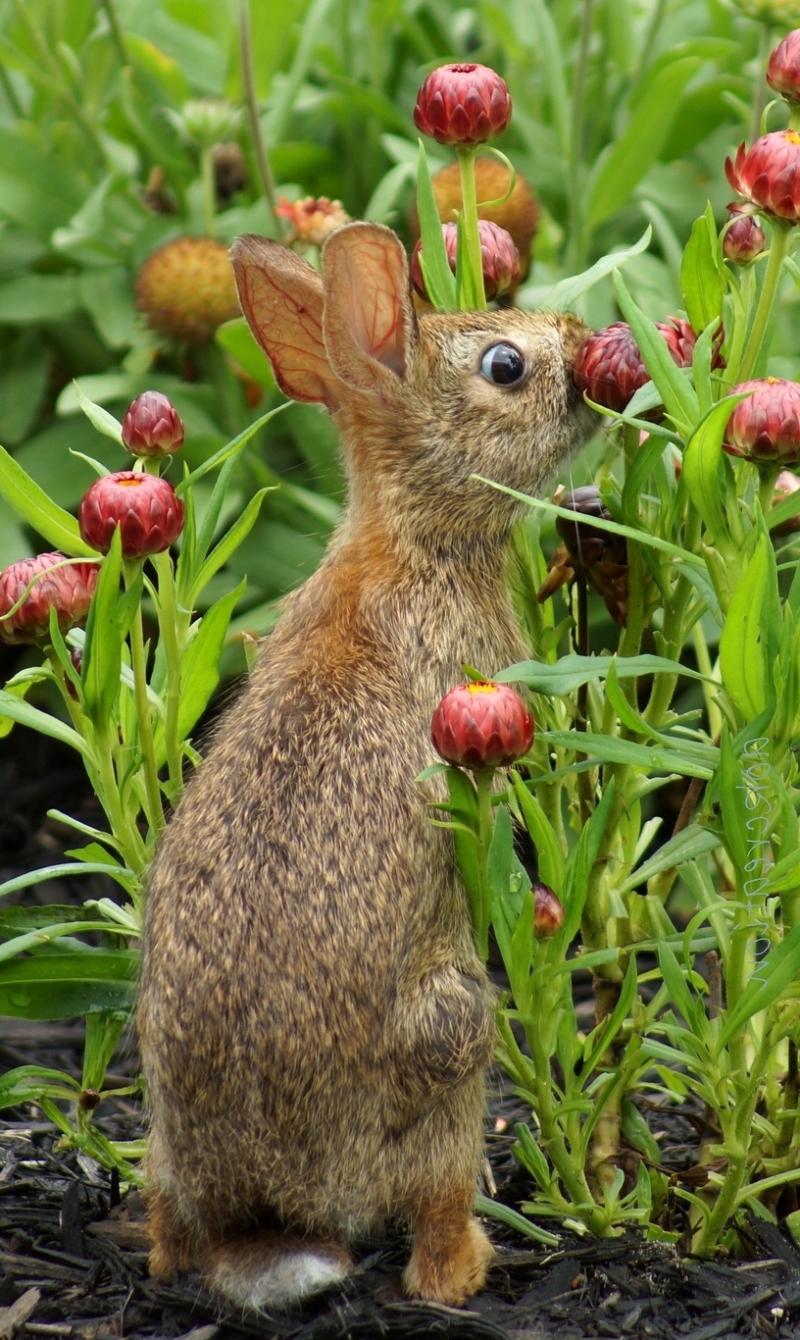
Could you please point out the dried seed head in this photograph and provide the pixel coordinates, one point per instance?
(186, 289)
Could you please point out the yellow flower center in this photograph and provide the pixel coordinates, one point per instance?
(131, 483)
(793, 136)
(482, 686)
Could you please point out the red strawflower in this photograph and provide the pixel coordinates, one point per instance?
(765, 428)
(768, 175)
(610, 368)
(68, 590)
(548, 912)
(152, 426)
(783, 67)
(482, 725)
(499, 259)
(147, 510)
(744, 240)
(463, 104)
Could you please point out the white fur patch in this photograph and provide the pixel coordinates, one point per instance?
(291, 1276)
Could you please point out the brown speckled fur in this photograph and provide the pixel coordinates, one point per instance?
(313, 1019)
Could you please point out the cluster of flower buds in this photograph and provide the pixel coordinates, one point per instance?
(463, 105)
(599, 555)
(312, 219)
(499, 259)
(765, 428)
(482, 725)
(58, 584)
(609, 367)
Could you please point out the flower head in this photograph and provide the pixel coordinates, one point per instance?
(610, 368)
(186, 289)
(765, 428)
(768, 175)
(68, 590)
(599, 554)
(548, 912)
(482, 725)
(152, 426)
(312, 219)
(783, 67)
(463, 104)
(499, 259)
(744, 240)
(146, 508)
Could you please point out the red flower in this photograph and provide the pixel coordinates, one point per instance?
(548, 912)
(68, 590)
(610, 368)
(768, 175)
(744, 240)
(765, 428)
(151, 426)
(783, 67)
(499, 259)
(482, 725)
(147, 510)
(463, 104)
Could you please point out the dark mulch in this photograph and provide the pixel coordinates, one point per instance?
(73, 1255)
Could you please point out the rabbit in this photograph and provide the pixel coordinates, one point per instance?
(313, 1018)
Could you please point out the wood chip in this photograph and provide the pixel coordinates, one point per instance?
(15, 1316)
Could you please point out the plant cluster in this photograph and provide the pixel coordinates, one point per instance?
(671, 657)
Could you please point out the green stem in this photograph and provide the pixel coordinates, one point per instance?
(631, 639)
(254, 121)
(781, 240)
(483, 786)
(761, 90)
(766, 486)
(132, 847)
(54, 70)
(576, 248)
(173, 653)
(155, 813)
(471, 288)
(117, 35)
(209, 189)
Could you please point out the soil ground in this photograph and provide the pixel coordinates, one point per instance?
(73, 1253)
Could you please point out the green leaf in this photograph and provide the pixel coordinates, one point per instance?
(200, 669)
(495, 1209)
(36, 298)
(579, 867)
(774, 975)
(61, 986)
(570, 672)
(233, 448)
(626, 713)
(102, 648)
(677, 394)
(619, 170)
(685, 846)
(551, 861)
(31, 503)
(562, 296)
(100, 418)
(16, 709)
(439, 278)
(679, 758)
(237, 338)
(599, 1042)
(704, 465)
(500, 862)
(685, 1003)
(702, 283)
(228, 544)
(741, 652)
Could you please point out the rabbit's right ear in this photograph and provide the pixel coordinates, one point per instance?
(281, 297)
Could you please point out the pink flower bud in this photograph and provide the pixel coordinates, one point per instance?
(463, 104)
(765, 428)
(147, 510)
(151, 426)
(68, 590)
(499, 259)
(783, 68)
(610, 368)
(548, 912)
(744, 240)
(482, 725)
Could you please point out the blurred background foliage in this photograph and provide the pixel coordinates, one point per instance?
(623, 113)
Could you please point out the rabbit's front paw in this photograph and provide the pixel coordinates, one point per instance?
(446, 1030)
(449, 1261)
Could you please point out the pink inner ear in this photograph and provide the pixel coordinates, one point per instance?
(375, 306)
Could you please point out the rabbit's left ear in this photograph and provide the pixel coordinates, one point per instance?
(369, 322)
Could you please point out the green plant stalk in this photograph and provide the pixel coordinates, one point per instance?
(263, 168)
(471, 262)
(117, 35)
(483, 785)
(51, 64)
(209, 188)
(779, 249)
(123, 826)
(742, 299)
(174, 639)
(577, 241)
(766, 486)
(631, 640)
(155, 812)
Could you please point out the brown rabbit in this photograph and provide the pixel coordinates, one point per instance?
(314, 1021)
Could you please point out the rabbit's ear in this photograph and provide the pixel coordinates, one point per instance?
(281, 297)
(370, 324)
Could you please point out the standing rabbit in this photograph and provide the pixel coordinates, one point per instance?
(314, 1021)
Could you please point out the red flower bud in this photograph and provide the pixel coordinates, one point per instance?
(463, 104)
(68, 590)
(744, 240)
(548, 912)
(765, 428)
(482, 725)
(785, 485)
(499, 259)
(768, 175)
(151, 426)
(783, 68)
(610, 368)
(147, 510)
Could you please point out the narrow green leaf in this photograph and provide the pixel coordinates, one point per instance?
(16, 709)
(570, 672)
(200, 669)
(100, 418)
(741, 653)
(228, 544)
(551, 861)
(61, 986)
(680, 400)
(31, 503)
(704, 465)
(439, 278)
(685, 846)
(624, 710)
(102, 649)
(702, 284)
(566, 292)
(777, 972)
(233, 448)
(610, 749)
(495, 1209)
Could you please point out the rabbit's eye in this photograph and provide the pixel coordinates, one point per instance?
(502, 364)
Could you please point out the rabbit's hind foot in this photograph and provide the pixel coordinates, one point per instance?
(269, 1269)
(451, 1257)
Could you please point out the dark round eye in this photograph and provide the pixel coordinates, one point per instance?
(502, 364)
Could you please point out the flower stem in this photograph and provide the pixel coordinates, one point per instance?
(155, 813)
(575, 250)
(483, 786)
(251, 103)
(168, 626)
(781, 237)
(471, 289)
(209, 189)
